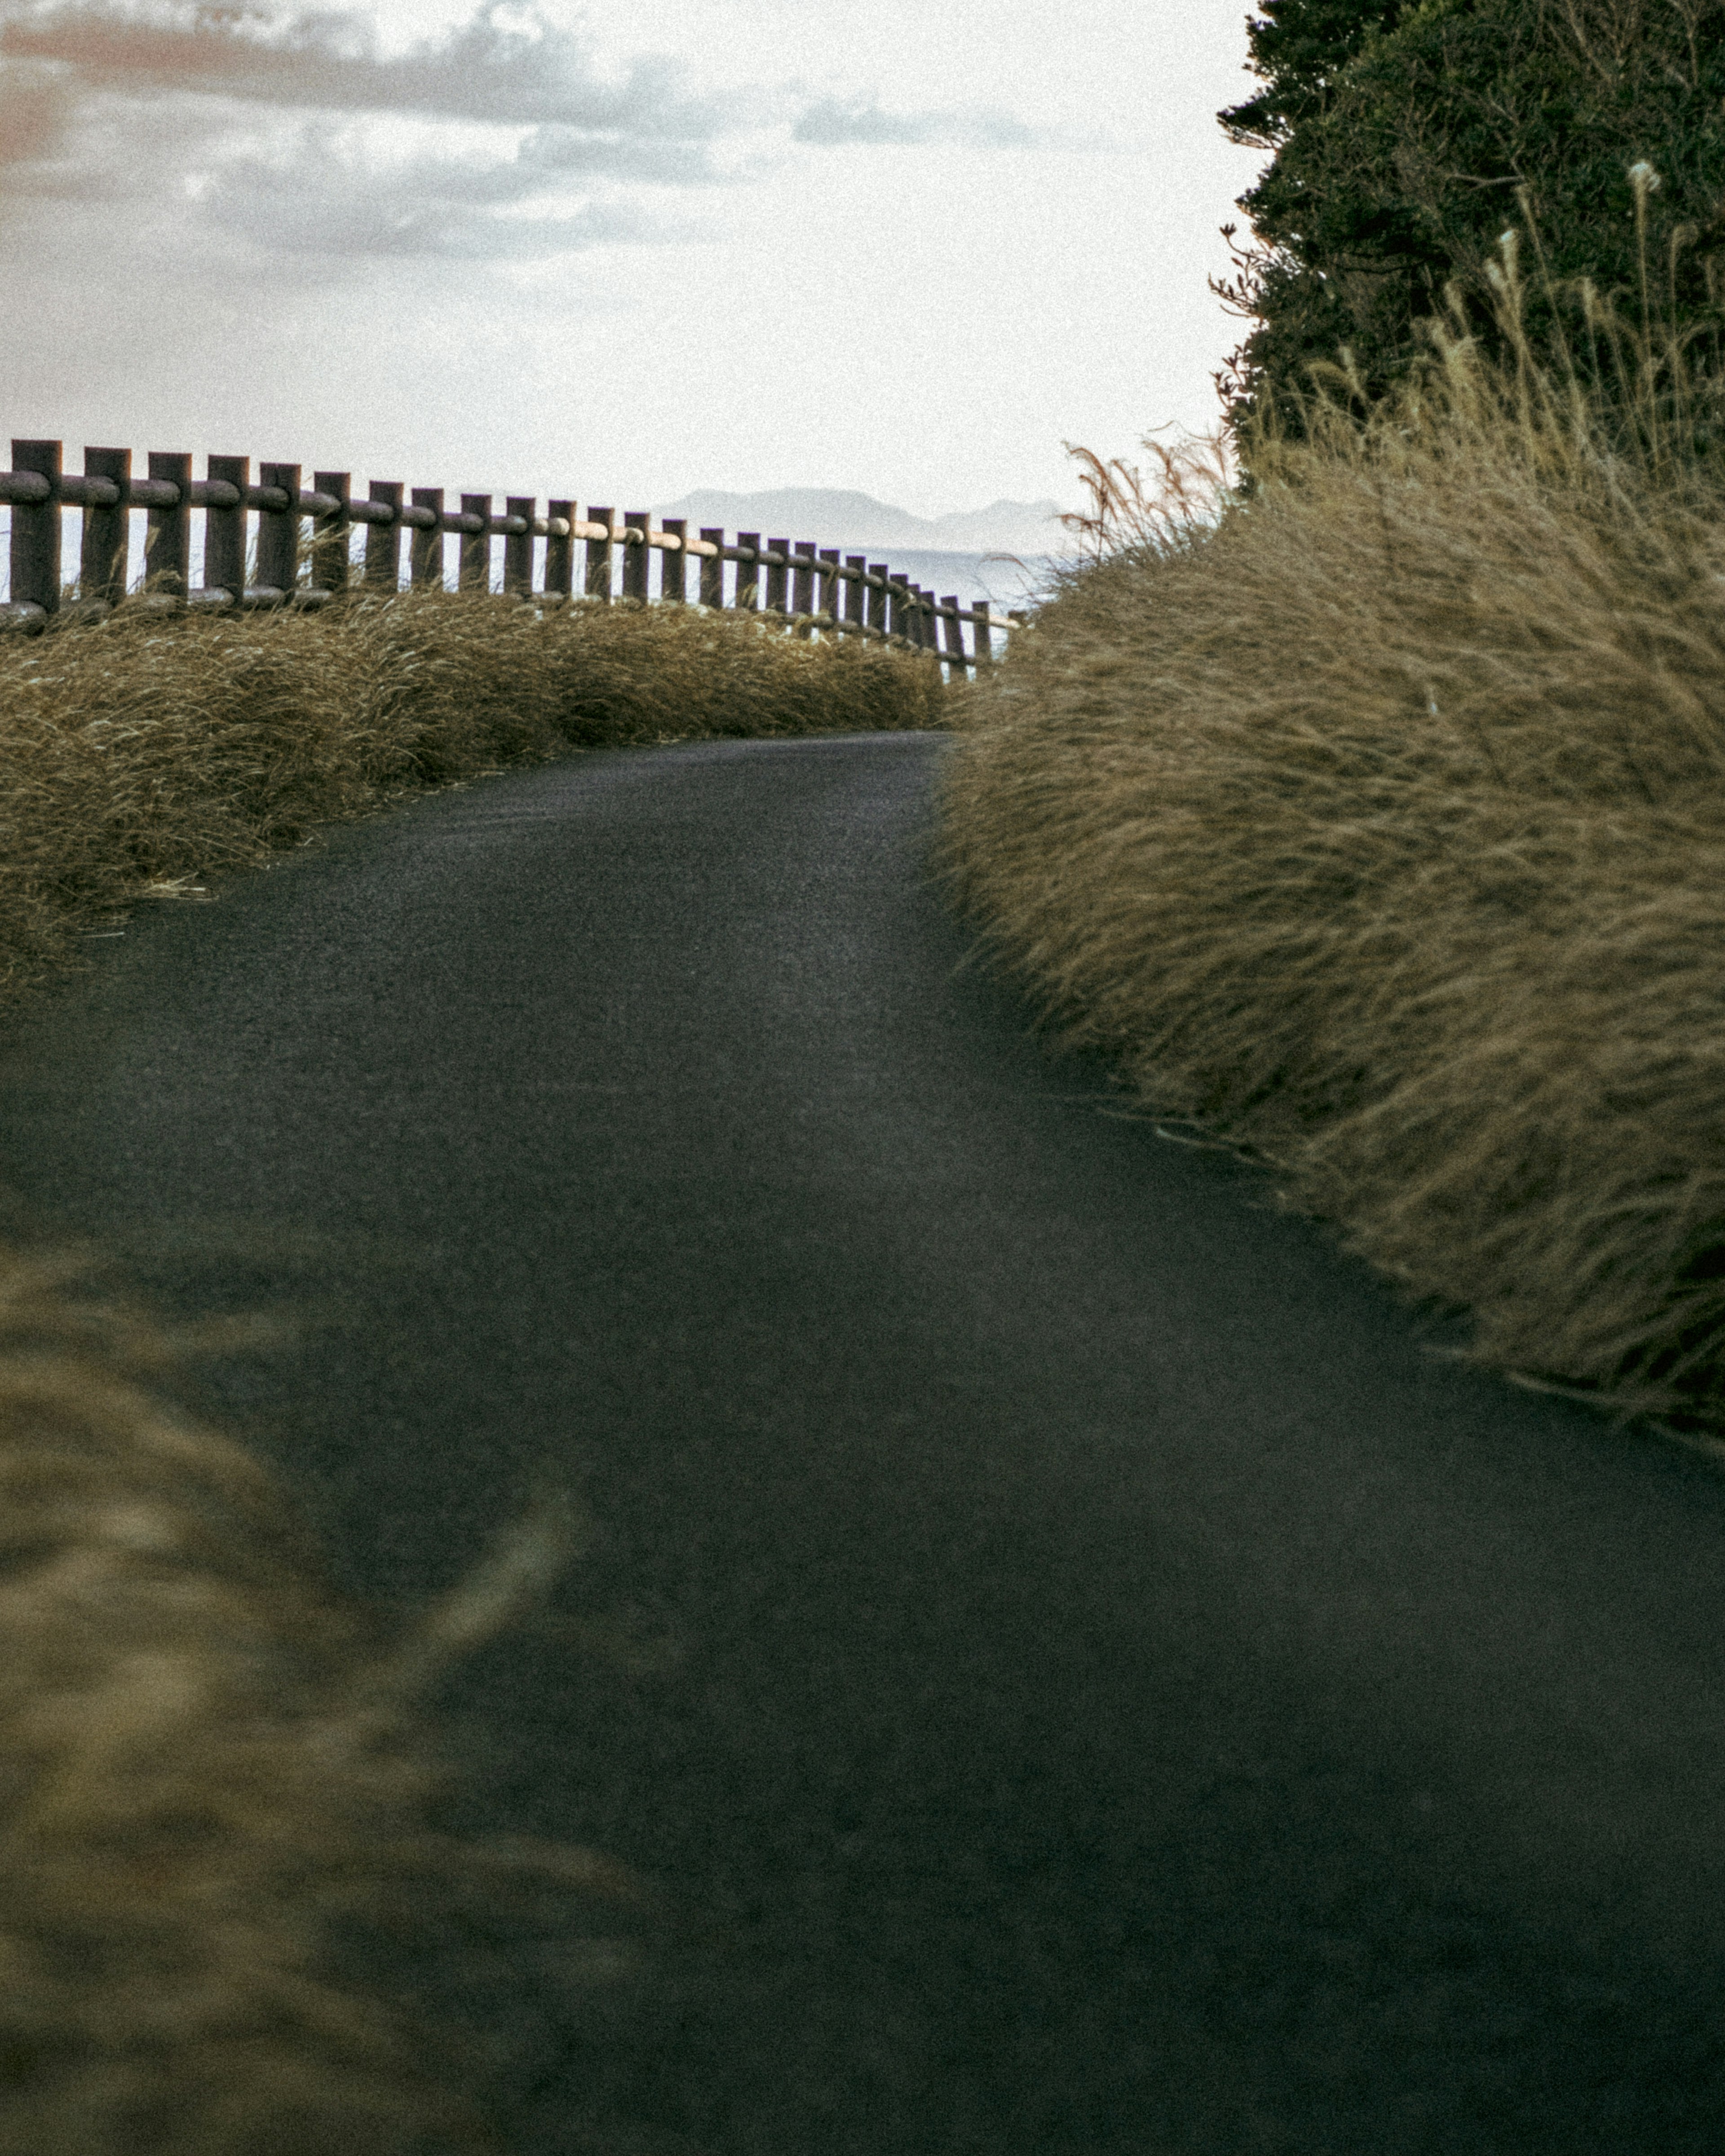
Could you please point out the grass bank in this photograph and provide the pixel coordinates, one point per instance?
(217, 1779)
(149, 754)
(1375, 821)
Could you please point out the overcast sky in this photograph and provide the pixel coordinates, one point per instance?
(621, 253)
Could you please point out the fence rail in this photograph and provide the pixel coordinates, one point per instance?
(809, 588)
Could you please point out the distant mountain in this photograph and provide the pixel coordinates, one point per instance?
(833, 517)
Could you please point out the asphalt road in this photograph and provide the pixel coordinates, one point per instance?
(1123, 1695)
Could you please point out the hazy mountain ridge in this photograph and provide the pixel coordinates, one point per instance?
(833, 517)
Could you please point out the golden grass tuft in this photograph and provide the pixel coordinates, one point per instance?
(1376, 821)
(209, 1765)
(150, 752)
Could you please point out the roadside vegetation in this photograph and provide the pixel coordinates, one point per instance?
(1403, 133)
(151, 754)
(1373, 813)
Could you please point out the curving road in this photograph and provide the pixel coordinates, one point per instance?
(1126, 1697)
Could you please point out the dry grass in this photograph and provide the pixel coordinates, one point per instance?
(211, 1771)
(151, 753)
(213, 1774)
(1377, 822)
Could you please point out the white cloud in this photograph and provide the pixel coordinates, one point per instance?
(324, 196)
(833, 122)
(279, 129)
(507, 66)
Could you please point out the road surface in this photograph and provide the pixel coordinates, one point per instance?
(1102, 1686)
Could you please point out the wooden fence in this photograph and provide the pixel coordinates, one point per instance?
(811, 587)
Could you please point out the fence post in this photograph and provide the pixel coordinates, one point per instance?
(955, 634)
(279, 531)
(518, 548)
(898, 620)
(984, 638)
(598, 558)
(382, 570)
(36, 530)
(778, 580)
(748, 574)
(829, 592)
(712, 570)
(879, 602)
(636, 560)
(474, 572)
(674, 563)
(427, 548)
(802, 583)
(224, 530)
(560, 552)
(102, 555)
(856, 595)
(167, 542)
(329, 532)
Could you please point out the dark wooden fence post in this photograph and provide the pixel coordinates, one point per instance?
(560, 550)
(36, 530)
(279, 531)
(879, 602)
(984, 638)
(107, 530)
(779, 579)
(829, 597)
(427, 548)
(712, 569)
(383, 572)
(638, 556)
(748, 574)
(224, 530)
(598, 558)
(955, 634)
(329, 532)
(674, 563)
(856, 594)
(518, 548)
(474, 572)
(803, 584)
(167, 542)
(898, 622)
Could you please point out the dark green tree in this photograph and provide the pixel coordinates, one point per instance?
(1299, 47)
(1405, 139)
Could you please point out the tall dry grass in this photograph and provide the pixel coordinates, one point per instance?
(145, 755)
(214, 1775)
(1375, 818)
